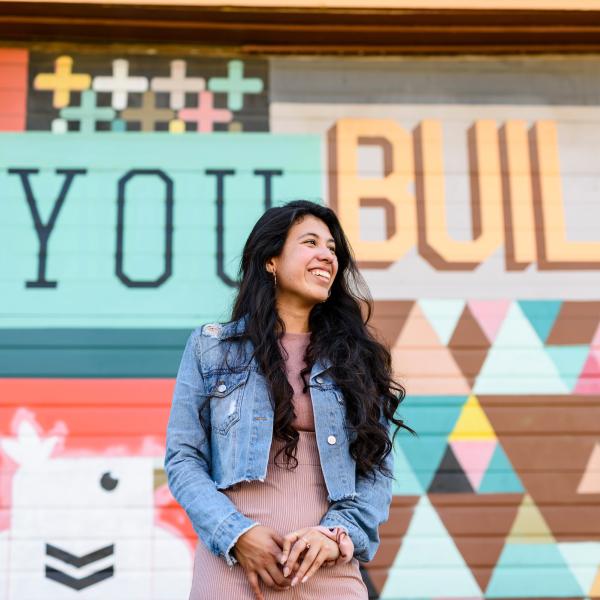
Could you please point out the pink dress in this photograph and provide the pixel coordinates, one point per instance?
(286, 500)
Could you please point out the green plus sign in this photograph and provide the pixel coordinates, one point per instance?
(234, 85)
(87, 113)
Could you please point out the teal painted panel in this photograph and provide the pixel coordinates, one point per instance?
(151, 168)
(149, 353)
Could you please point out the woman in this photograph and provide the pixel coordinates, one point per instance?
(277, 444)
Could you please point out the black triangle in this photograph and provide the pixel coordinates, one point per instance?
(450, 477)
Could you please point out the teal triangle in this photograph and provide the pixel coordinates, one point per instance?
(428, 564)
(405, 481)
(532, 570)
(443, 315)
(569, 361)
(541, 314)
(500, 477)
(517, 362)
(433, 418)
(583, 559)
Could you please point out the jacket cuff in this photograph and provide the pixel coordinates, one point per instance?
(227, 534)
(358, 537)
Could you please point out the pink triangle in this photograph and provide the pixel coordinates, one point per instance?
(590, 482)
(589, 379)
(474, 457)
(489, 314)
(596, 339)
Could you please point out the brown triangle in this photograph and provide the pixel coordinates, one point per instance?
(469, 345)
(388, 319)
(478, 524)
(576, 323)
(391, 532)
(548, 441)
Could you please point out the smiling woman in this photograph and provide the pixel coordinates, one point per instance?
(287, 474)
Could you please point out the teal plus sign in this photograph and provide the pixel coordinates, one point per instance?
(234, 85)
(87, 113)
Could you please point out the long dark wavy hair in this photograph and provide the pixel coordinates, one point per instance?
(362, 366)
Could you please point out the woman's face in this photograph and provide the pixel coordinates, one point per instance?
(307, 264)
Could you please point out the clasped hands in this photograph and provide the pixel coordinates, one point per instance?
(283, 561)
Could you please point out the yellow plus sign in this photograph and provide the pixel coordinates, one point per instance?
(62, 82)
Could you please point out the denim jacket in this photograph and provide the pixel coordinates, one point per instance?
(236, 403)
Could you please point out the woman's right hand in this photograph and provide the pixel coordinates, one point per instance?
(258, 551)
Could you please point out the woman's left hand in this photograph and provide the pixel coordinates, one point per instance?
(317, 549)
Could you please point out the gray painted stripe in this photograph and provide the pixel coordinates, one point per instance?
(464, 80)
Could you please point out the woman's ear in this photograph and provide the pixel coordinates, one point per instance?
(271, 266)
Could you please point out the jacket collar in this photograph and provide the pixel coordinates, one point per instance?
(239, 326)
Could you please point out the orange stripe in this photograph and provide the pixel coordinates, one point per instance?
(86, 392)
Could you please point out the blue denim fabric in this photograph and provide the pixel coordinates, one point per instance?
(236, 403)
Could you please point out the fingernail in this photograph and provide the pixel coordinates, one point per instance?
(286, 571)
(283, 558)
(304, 579)
(294, 581)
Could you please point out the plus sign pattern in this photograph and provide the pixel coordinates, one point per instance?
(141, 93)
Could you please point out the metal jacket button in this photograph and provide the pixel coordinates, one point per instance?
(222, 387)
(319, 379)
(331, 440)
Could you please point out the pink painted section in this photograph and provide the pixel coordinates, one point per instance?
(474, 457)
(489, 314)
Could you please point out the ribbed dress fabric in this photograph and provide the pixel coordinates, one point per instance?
(286, 500)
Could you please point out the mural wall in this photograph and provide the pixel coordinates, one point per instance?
(469, 190)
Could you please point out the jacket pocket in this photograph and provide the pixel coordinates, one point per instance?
(226, 391)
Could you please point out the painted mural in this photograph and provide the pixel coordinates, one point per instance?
(469, 191)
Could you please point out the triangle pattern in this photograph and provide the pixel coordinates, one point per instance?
(433, 417)
(517, 362)
(529, 527)
(450, 476)
(531, 561)
(569, 362)
(484, 522)
(429, 548)
(532, 570)
(589, 379)
(500, 477)
(473, 423)
(469, 345)
(426, 364)
(595, 591)
(474, 457)
(442, 316)
(590, 481)
(541, 314)
(405, 481)
(489, 314)
(583, 559)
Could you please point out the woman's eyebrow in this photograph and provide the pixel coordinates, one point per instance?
(316, 235)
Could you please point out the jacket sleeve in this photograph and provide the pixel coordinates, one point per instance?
(361, 516)
(214, 517)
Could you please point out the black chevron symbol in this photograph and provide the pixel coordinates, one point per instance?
(79, 584)
(78, 562)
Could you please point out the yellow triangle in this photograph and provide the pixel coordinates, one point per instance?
(529, 527)
(595, 591)
(472, 423)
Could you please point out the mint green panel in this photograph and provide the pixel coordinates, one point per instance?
(82, 245)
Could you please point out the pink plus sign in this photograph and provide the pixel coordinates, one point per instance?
(205, 115)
